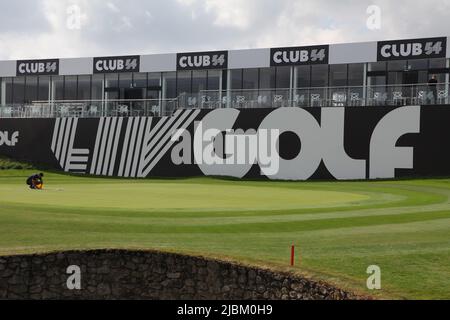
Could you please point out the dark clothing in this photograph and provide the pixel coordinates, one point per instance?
(432, 84)
(34, 180)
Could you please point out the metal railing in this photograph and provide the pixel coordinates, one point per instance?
(91, 108)
(386, 95)
(359, 96)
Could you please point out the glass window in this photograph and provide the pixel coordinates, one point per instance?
(395, 77)
(154, 79)
(84, 88)
(283, 77)
(70, 87)
(423, 76)
(303, 76)
(125, 80)
(214, 79)
(236, 79)
(58, 87)
(377, 66)
(419, 64)
(250, 79)
(267, 78)
(440, 77)
(7, 90)
(31, 91)
(438, 63)
(199, 81)
(170, 85)
(400, 65)
(356, 74)
(19, 90)
(338, 75)
(184, 84)
(140, 80)
(377, 81)
(97, 86)
(319, 76)
(44, 87)
(153, 94)
(112, 80)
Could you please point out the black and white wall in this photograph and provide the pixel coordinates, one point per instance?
(284, 143)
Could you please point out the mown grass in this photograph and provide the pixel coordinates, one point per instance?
(339, 228)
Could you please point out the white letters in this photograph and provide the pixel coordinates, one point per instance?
(4, 139)
(374, 281)
(385, 156)
(219, 150)
(74, 280)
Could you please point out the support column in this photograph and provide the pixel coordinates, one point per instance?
(365, 84)
(228, 88)
(447, 82)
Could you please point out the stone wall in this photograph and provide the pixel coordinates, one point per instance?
(119, 274)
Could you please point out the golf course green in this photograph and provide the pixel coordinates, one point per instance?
(339, 228)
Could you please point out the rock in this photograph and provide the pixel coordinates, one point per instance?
(174, 275)
(226, 289)
(296, 286)
(118, 274)
(189, 283)
(261, 289)
(103, 270)
(104, 290)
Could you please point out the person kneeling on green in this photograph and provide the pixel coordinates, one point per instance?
(35, 181)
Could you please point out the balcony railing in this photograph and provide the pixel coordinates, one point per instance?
(91, 108)
(389, 95)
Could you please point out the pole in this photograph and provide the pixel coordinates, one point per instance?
(292, 255)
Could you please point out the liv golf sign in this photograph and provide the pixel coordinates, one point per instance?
(320, 142)
(279, 144)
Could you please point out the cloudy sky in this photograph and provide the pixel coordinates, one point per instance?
(76, 28)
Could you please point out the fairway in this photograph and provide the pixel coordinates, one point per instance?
(339, 228)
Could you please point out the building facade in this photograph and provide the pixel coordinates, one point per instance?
(354, 74)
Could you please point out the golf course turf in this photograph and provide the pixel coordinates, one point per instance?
(338, 228)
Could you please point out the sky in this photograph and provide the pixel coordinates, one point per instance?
(32, 29)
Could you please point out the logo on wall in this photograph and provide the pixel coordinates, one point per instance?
(294, 56)
(236, 153)
(202, 60)
(9, 140)
(124, 147)
(37, 67)
(412, 49)
(135, 146)
(117, 64)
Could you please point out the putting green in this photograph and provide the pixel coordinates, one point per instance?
(339, 228)
(178, 196)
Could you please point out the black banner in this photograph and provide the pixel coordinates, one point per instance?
(426, 48)
(117, 64)
(336, 143)
(293, 56)
(37, 67)
(202, 60)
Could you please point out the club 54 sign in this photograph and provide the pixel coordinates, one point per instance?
(117, 64)
(412, 49)
(202, 60)
(299, 55)
(37, 67)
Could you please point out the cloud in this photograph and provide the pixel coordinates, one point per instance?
(39, 28)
